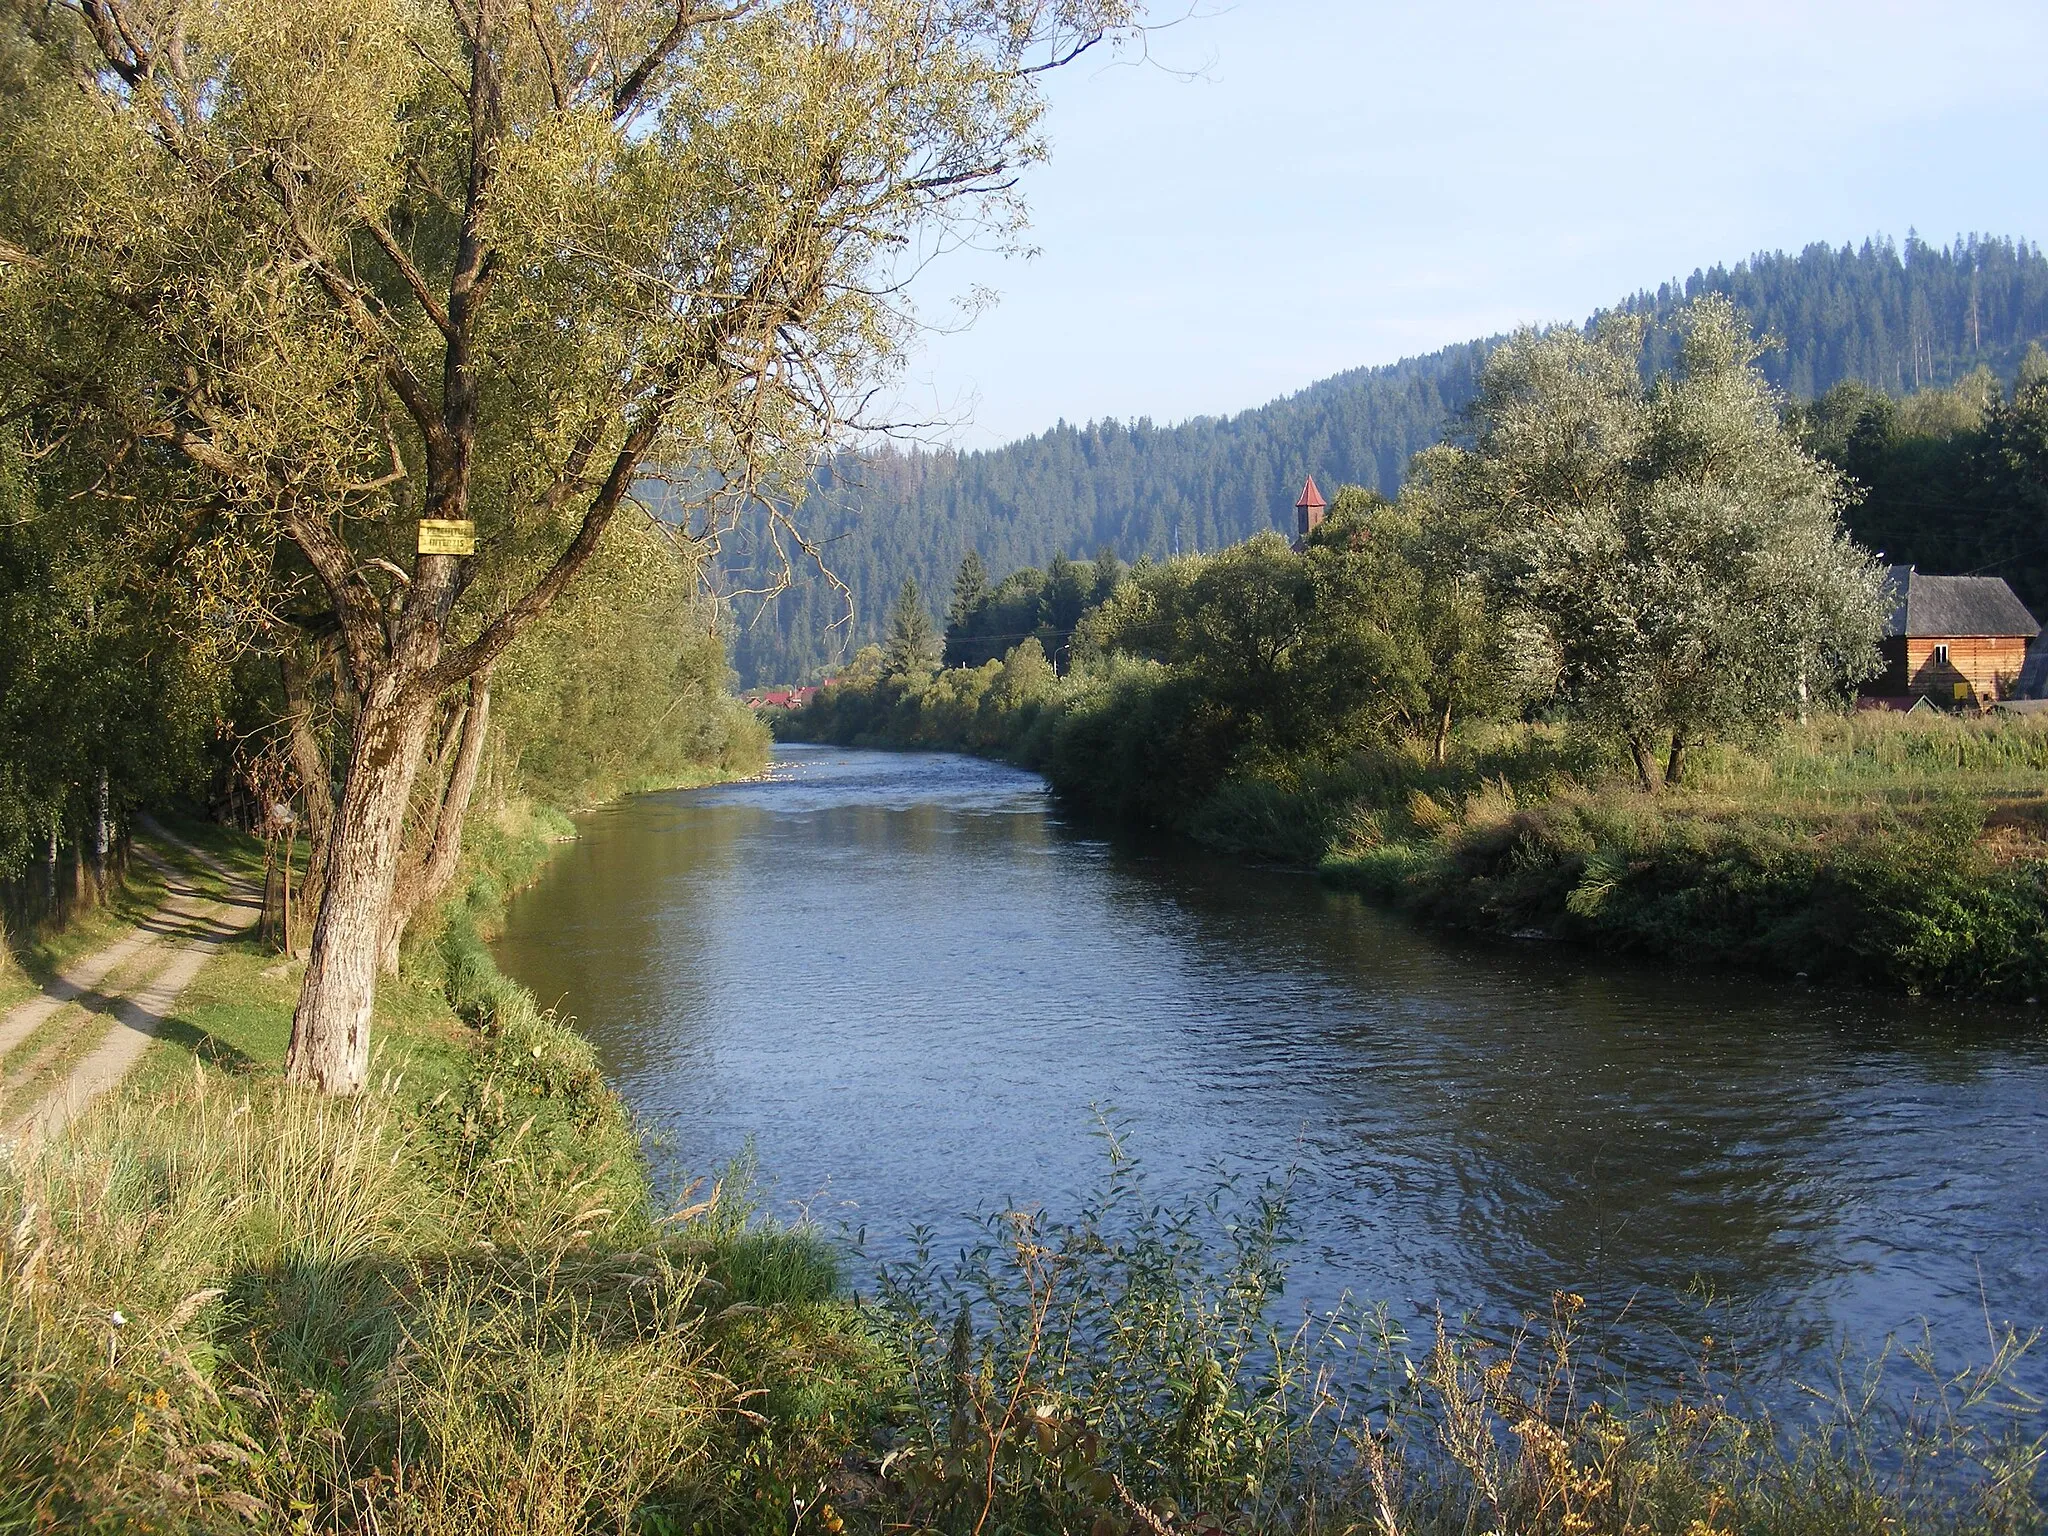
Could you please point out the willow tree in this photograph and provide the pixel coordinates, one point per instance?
(1666, 552)
(356, 263)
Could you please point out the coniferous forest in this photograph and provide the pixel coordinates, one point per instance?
(1894, 319)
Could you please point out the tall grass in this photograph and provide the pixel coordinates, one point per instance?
(1908, 854)
(448, 1305)
(269, 1308)
(1130, 1370)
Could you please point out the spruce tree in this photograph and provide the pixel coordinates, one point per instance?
(970, 596)
(913, 649)
(970, 589)
(1108, 572)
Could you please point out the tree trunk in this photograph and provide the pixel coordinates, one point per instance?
(424, 883)
(1674, 765)
(1443, 734)
(330, 1048)
(316, 782)
(1646, 767)
(102, 836)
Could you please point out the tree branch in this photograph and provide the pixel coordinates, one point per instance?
(487, 647)
(627, 96)
(357, 308)
(557, 87)
(414, 280)
(362, 629)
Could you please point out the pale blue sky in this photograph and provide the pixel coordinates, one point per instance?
(1349, 183)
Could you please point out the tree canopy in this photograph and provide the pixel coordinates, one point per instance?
(1897, 317)
(915, 648)
(298, 274)
(1668, 554)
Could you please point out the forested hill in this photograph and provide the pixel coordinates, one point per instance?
(1896, 318)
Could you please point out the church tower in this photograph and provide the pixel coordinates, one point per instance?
(1308, 512)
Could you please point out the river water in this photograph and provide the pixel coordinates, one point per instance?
(913, 985)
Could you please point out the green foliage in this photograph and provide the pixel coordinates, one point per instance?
(1901, 853)
(1058, 1373)
(1669, 552)
(1952, 479)
(107, 662)
(970, 591)
(914, 649)
(1895, 318)
(985, 624)
(656, 713)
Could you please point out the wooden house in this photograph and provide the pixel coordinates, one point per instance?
(1958, 640)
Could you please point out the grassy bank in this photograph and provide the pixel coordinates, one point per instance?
(449, 1305)
(1909, 853)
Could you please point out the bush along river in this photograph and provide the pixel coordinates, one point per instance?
(913, 989)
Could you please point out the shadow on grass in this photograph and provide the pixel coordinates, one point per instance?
(209, 1048)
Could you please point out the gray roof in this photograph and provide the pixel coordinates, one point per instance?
(1938, 606)
(2033, 683)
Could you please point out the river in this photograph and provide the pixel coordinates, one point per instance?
(913, 985)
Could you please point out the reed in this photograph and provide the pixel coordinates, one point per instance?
(1128, 1370)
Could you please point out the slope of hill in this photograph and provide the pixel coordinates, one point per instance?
(1896, 318)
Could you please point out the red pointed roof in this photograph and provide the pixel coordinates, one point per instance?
(1310, 496)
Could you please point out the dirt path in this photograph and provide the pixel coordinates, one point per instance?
(94, 1021)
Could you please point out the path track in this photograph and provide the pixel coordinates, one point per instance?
(111, 1004)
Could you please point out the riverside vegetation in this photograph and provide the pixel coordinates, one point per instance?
(1899, 319)
(280, 280)
(368, 326)
(1552, 690)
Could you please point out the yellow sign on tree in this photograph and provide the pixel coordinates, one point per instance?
(447, 536)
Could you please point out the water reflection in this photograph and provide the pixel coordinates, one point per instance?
(909, 981)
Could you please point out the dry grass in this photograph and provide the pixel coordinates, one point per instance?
(239, 1305)
(445, 1306)
(1125, 1372)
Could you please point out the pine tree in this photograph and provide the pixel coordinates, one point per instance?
(1108, 572)
(913, 649)
(970, 597)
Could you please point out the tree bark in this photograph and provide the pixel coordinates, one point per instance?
(1674, 764)
(316, 783)
(1443, 734)
(330, 1046)
(1646, 767)
(102, 836)
(423, 883)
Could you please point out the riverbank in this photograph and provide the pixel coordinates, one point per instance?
(1874, 849)
(453, 1305)
(449, 1305)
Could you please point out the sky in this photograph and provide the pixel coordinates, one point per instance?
(1289, 188)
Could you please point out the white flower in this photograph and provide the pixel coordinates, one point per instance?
(119, 1319)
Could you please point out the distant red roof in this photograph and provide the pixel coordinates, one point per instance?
(1310, 496)
(782, 698)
